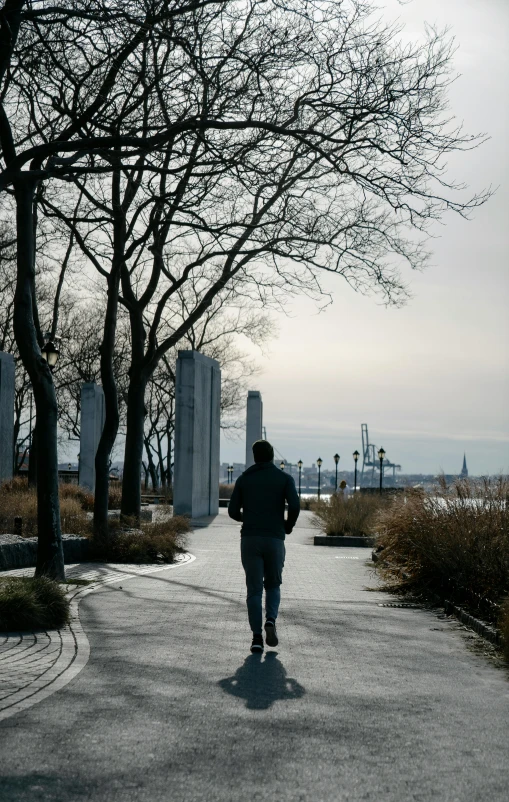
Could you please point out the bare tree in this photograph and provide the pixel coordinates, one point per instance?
(286, 141)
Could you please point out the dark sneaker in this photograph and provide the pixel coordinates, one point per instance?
(257, 644)
(270, 632)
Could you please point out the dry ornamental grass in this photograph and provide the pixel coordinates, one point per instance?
(30, 603)
(154, 542)
(454, 542)
(504, 627)
(348, 515)
(18, 500)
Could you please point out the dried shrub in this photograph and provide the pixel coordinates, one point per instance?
(504, 627)
(154, 542)
(226, 490)
(29, 603)
(348, 515)
(453, 542)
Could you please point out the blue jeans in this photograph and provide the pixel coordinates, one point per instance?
(263, 559)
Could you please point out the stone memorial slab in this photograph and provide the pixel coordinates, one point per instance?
(197, 428)
(6, 416)
(254, 423)
(92, 423)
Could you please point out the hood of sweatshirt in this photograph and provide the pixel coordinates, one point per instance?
(259, 466)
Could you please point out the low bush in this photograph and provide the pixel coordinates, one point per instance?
(154, 542)
(453, 542)
(225, 491)
(348, 515)
(32, 604)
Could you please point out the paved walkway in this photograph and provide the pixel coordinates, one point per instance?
(359, 701)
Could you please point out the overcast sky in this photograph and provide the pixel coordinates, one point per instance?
(431, 379)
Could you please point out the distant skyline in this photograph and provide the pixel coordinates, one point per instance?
(431, 379)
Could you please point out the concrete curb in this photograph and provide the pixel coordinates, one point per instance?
(484, 630)
(21, 552)
(75, 651)
(343, 540)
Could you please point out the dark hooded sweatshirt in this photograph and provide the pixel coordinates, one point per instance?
(258, 500)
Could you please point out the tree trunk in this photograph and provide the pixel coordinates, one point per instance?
(50, 556)
(133, 456)
(111, 420)
(32, 459)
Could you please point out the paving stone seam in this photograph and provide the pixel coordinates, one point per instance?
(75, 646)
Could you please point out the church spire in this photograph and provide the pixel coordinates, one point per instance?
(464, 470)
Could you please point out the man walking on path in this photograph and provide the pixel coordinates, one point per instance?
(258, 501)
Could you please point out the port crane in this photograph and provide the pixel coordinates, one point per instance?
(370, 459)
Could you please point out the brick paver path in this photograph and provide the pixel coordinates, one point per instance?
(359, 701)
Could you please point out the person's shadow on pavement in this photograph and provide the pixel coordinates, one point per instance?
(261, 682)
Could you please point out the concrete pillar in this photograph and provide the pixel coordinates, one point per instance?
(6, 416)
(254, 423)
(92, 422)
(197, 427)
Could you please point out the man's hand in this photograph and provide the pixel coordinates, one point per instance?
(288, 528)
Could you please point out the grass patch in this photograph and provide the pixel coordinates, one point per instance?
(348, 515)
(453, 543)
(152, 542)
(32, 603)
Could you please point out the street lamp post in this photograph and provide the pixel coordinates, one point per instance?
(282, 465)
(381, 455)
(319, 463)
(336, 460)
(230, 474)
(355, 457)
(299, 464)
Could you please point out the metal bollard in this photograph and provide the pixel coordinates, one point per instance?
(18, 526)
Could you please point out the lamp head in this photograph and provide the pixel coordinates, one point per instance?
(381, 453)
(300, 464)
(356, 455)
(319, 462)
(50, 352)
(282, 465)
(336, 458)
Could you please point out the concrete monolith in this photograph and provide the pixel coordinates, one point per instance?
(92, 422)
(6, 416)
(254, 423)
(197, 428)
